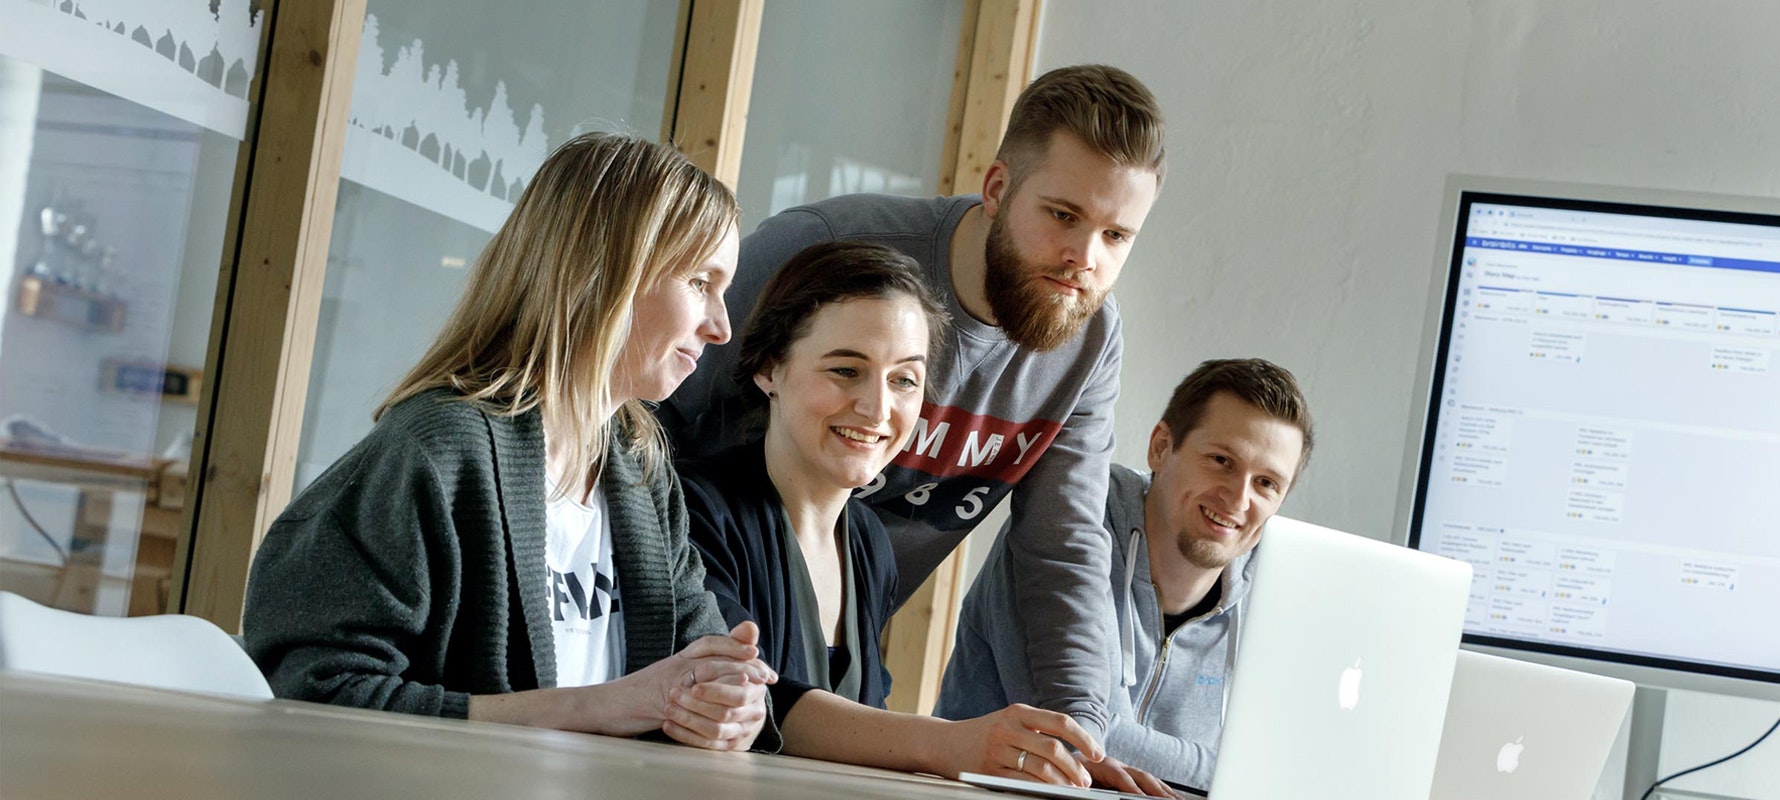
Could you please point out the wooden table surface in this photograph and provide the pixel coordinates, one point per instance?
(74, 738)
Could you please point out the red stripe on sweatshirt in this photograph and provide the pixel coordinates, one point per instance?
(949, 441)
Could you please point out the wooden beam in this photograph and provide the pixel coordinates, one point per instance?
(671, 103)
(994, 65)
(180, 579)
(709, 116)
(948, 158)
(918, 641)
(262, 343)
(1000, 67)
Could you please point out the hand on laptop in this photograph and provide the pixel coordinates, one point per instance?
(1110, 773)
(993, 744)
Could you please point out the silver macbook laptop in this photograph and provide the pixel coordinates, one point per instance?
(1343, 665)
(1526, 731)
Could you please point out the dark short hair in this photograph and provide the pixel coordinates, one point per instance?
(1258, 382)
(1105, 108)
(822, 274)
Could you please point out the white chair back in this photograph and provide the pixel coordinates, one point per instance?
(169, 651)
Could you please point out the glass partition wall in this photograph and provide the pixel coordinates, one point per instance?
(204, 233)
(120, 128)
(452, 112)
(836, 112)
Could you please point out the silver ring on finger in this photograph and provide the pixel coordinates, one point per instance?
(1020, 763)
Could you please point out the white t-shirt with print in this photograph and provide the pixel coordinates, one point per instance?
(581, 590)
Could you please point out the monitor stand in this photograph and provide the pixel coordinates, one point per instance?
(1645, 744)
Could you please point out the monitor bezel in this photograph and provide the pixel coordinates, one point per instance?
(1460, 193)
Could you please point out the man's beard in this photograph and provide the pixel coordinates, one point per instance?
(1029, 313)
(1203, 554)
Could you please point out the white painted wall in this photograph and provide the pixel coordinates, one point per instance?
(1309, 143)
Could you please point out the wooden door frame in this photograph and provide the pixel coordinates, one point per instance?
(263, 333)
(707, 106)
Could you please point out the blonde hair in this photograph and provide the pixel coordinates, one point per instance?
(548, 306)
(1105, 108)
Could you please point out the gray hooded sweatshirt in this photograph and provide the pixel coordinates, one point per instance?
(1168, 695)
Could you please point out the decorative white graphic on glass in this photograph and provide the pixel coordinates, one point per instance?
(424, 108)
(222, 48)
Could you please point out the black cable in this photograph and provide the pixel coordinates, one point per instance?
(32, 521)
(1692, 770)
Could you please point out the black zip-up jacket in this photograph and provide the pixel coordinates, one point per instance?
(737, 521)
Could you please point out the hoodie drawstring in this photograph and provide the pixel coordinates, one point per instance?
(1128, 629)
(1232, 640)
(1128, 622)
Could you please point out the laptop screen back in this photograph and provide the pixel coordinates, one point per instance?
(1526, 731)
(1344, 663)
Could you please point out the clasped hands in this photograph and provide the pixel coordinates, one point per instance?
(711, 694)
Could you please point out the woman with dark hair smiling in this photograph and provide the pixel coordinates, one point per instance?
(839, 346)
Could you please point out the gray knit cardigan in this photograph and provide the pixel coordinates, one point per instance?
(410, 575)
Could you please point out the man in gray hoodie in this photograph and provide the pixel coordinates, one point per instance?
(1233, 438)
(1019, 398)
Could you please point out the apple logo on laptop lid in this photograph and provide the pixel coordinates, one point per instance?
(1508, 758)
(1348, 691)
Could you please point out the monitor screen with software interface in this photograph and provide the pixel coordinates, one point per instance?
(1602, 431)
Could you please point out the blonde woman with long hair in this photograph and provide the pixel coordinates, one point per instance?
(509, 542)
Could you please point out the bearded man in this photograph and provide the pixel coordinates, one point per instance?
(1233, 439)
(1020, 398)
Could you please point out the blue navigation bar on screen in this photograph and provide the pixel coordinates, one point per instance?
(1622, 254)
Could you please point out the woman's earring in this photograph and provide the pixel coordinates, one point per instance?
(772, 395)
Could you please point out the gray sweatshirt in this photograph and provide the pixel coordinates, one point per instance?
(1167, 694)
(999, 418)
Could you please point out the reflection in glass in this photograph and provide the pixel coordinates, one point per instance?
(835, 112)
(454, 107)
(120, 123)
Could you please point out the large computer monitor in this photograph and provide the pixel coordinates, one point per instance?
(1598, 429)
